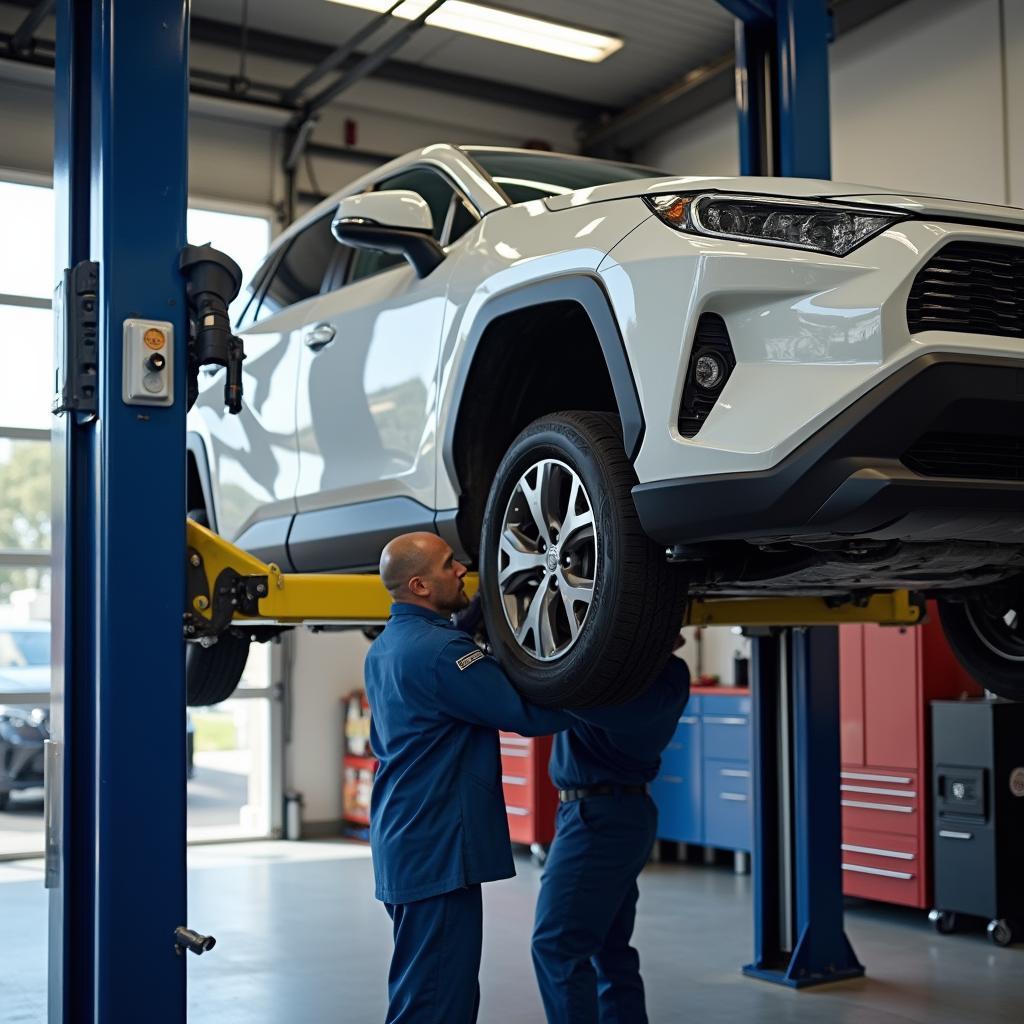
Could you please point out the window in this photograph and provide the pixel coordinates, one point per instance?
(527, 175)
(302, 269)
(463, 218)
(26, 342)
(243, 237)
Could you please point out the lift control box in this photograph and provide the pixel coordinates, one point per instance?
(148, 362)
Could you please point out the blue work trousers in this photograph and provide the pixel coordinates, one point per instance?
(586, 969)
(436, 964)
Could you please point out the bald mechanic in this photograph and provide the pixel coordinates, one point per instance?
(586, 968)
(437, 814)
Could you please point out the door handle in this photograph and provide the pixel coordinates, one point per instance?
(319, 337)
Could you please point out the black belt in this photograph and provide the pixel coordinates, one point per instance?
(568, 795)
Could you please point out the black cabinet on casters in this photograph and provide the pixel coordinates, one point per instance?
(978, 820)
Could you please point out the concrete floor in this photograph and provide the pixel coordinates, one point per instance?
(300, 939)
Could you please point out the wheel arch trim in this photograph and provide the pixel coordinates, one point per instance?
(588, 292)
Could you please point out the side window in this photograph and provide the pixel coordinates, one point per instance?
(463, 218)
(438, 195)
(254, 287)
(301, 271)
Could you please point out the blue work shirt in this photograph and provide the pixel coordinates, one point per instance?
(623, 744)
(437, 811)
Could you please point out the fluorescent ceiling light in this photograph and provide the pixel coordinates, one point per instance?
(503, 27)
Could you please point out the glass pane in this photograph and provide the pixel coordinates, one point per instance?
(301, 273)
(24, 496)
(243, 237)
(229, 761)
(24, 718)
(26, 252)
(26, 342)
(555, 172)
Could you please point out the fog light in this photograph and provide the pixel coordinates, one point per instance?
(708, 371)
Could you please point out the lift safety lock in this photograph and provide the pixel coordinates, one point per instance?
(148, 362)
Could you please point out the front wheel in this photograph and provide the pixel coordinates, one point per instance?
(581, 606)
(986, 632)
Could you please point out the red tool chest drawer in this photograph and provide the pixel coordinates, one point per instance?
(530, 799)
(881, 800)
(882, 867)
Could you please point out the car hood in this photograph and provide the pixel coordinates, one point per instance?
(797, 188)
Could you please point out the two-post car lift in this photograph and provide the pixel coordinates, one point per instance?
(115, 766)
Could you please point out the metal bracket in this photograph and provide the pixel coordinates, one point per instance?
(77, 340)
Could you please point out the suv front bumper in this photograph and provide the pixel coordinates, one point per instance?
(854, 477)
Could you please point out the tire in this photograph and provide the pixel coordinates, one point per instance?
(213, 673)
(986, 644)
(5, 799)
(629, 603)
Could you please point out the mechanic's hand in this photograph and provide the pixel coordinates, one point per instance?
(471, 619)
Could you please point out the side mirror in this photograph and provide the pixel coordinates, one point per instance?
(397, 221)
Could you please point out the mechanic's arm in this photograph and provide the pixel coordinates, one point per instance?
(666, 695)
(472, 687)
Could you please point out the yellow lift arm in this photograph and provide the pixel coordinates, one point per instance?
(227, 586)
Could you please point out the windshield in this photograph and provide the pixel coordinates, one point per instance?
(534, 175)
(20, 648)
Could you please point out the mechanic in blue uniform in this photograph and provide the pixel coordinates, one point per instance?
(438, 826)
(586, 969)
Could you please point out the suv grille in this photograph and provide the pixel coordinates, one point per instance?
(970, 287)
(974, 456)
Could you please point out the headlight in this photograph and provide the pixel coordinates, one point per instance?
(819, 227)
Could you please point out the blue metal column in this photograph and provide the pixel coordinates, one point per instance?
(798, 889)
(118, 849)
(782, 96)
(70, 832)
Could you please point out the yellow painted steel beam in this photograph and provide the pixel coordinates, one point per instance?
(898, 608)
(292, 598)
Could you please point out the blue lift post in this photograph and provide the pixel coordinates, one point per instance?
(116, 766)
(783, 108)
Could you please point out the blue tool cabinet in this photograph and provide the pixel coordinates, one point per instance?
(703, 791)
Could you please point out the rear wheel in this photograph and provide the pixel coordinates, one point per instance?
(213, 673)
(581, 606)
(986, 632)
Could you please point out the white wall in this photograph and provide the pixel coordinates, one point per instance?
(917, 99)
(325, 667)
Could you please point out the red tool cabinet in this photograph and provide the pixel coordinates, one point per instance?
(530, 798)
(887, 678)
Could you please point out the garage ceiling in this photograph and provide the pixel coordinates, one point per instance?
(661, 40)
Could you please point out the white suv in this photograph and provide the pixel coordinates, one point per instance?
(609, 389)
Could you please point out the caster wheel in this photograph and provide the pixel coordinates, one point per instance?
(539, 854)
(943, 921)
(1000, 932)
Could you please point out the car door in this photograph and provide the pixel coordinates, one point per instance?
(366, 412)
(254, 455)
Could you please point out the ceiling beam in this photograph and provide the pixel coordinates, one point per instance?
(22, 38)
(696, 91)
(304, 51)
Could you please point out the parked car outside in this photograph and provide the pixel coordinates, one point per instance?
(24, 725)
(613, 389)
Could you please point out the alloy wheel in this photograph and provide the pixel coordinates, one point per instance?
(547, 559)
